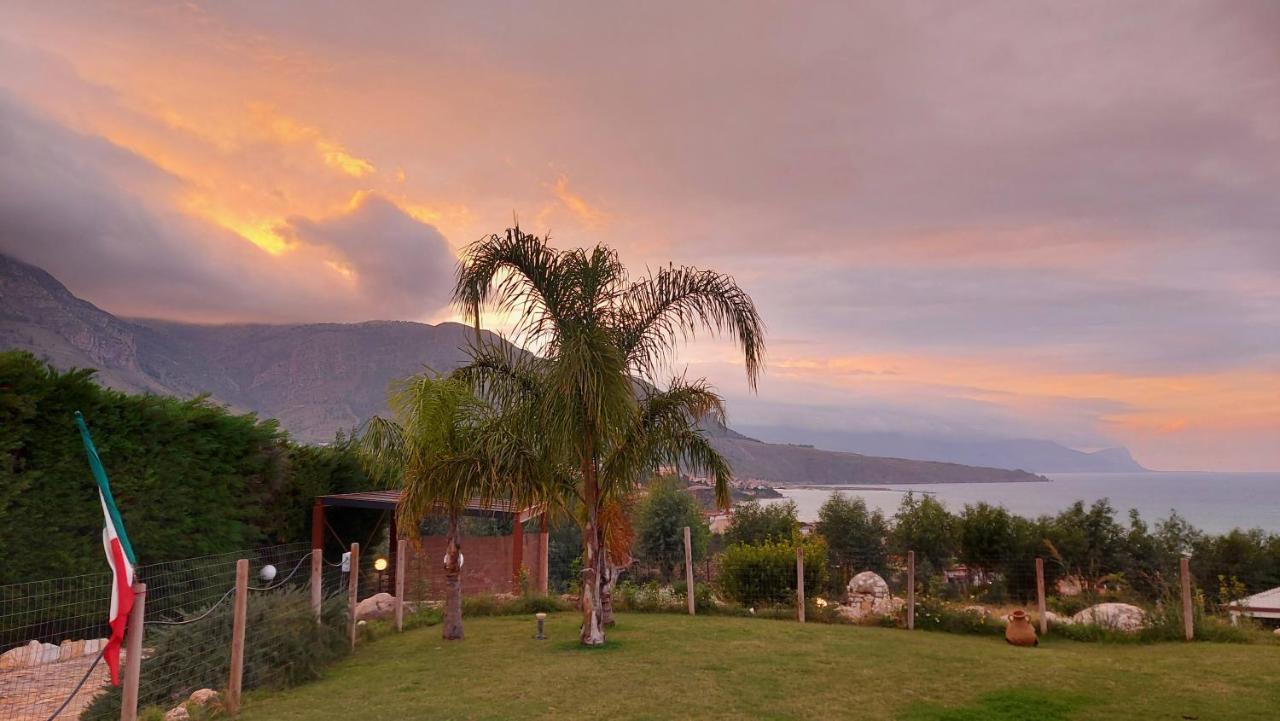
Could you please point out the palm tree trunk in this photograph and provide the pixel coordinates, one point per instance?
(592, 632)
(606, 591)
(452, 626)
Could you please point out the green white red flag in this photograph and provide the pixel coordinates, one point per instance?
(119, 556)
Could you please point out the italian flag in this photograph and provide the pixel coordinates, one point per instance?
(119, 556)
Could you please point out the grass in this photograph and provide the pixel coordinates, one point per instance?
(675, 667)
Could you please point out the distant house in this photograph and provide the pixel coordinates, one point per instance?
(1259, 605)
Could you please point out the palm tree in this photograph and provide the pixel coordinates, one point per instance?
(588, 387)
(446, 448)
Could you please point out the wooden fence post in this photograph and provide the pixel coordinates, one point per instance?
(800, 582)
(688, 568)
(401, 547)
(1188, 619)
(240, 609)
(911, 590)
(133, 655)
(1040, 605)
(353, 592)
(317, 580)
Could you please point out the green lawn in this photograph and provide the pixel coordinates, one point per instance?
(676, 667)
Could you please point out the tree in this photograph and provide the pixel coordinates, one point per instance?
(986, 536)
(754, 523)
(588, 388)
(660, 520)
(855, 536)
(925, 526)
(443, 448)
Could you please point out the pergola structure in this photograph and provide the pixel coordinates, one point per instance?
(389, 500)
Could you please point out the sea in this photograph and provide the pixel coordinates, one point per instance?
(1213, 502)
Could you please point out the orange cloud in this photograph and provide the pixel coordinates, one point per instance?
(590, 215)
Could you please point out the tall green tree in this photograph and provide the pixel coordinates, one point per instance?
(754, 523)
(986, 535)
(922, 524)
(598, 343)
(444, 448)
(855, 537)
(660, 521)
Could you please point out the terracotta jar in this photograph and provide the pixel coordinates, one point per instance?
(1019, 631)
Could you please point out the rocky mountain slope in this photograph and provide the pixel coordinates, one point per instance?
(323, 377)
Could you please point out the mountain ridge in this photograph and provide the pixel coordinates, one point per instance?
(319, 378)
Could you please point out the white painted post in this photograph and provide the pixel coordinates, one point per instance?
(133, 655)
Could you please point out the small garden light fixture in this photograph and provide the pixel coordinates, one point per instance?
(268, 573)
(542, 618)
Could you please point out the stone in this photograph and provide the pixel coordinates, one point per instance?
(1121, 617)
(49, 653)
(69, 649)
(94, 645)
(979, 611)
(204, 697)
(1056, 620)
(178, 713)
(379, 605)
(1277, 632)
(868, 595)
(20, 657)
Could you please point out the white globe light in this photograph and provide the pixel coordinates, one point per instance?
(268, 572)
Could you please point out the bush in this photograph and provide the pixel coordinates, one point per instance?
(285, 647)
(933, 615)
(764, 574)
(489, 605)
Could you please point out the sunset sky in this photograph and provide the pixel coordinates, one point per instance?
(1008, 219)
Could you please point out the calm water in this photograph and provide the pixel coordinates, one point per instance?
(1213, 502)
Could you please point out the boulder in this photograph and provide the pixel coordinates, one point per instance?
(204, 697)
(1056, 620)
(379, 605)
(868, 595)
(49, 653)
(177, 713)
(1122, 617)
(69, 649)
(94, 645)
(1277, 632)
(20, 657)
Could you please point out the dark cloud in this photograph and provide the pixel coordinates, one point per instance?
(400, 265)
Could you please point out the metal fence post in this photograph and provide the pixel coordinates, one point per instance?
(1040, 604)
(688, 568)
(800, 582)
(317, 580)
(401, 548)
(1188, 619)
(133, 655)
(353, 591)
(911, 590)
(240, 610)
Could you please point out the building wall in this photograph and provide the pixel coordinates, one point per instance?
(486, 568)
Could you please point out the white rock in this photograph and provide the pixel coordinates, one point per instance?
(93, 646)
(1115, 616)
(70, 649)
(379, 605)
(49, 653)
(868, 595)
(20, 657)
(204, 697)
(980, 611)
(177, 713)
(1277, 632)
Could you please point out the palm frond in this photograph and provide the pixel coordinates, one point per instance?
(663, 308)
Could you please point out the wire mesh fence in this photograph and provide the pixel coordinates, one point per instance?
(53, 633)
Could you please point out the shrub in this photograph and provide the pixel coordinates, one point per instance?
(765, 574)
(285, 647)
